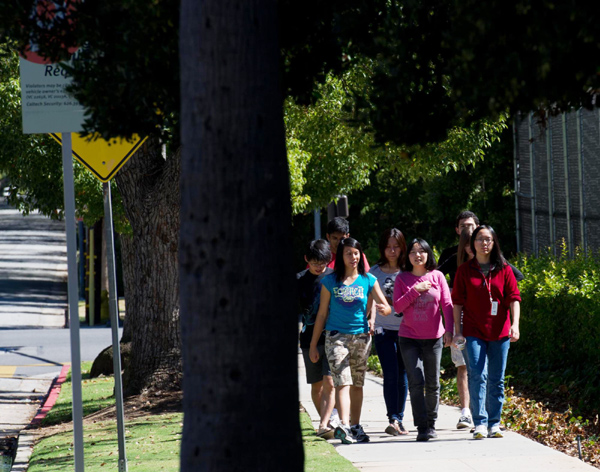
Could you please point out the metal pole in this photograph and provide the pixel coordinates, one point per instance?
(69, 193)
(92, 279)
(581, 182)
(317, 216)
(567, 192)
(532, 186)
(550, 172)
(516, 170)
(113, 304)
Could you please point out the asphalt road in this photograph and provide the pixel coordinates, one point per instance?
(34, 346)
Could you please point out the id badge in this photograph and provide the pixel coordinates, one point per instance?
(494, 308)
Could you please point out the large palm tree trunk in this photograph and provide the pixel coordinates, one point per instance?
(237, 285)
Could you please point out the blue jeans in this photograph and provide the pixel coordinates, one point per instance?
(486, 363)
(422, 359)
(395, 383)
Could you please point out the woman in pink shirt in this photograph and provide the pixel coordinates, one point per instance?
(421, 294)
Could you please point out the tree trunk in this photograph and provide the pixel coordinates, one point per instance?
(239, 327)
(148, 184)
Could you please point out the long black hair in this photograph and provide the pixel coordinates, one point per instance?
(339, 267)
(497, 260)
(383, 242)
(430, 264)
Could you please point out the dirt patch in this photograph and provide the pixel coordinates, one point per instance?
(146, 404)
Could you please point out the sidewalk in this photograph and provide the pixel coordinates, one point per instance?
(453, 450)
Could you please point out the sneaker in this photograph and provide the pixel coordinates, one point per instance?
(325, 433)
(334, 420)
(495, 432)
(480, 432)
(464, 422)
(422, 434)
(431, 434)
(342, 432)
(359, 433)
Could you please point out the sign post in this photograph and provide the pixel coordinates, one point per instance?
(48, 108)
(113, 304)
(73, 294)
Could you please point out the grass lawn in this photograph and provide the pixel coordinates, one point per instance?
(152, 439)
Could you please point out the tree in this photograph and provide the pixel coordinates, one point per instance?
(148, 187)
(239, 327)
(331, 152)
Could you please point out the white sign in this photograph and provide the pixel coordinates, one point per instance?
(47, 107)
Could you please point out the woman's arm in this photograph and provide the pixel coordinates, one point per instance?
(405, 296)
(458, 336)
(382, 305)
(319, 323)
(515, 309)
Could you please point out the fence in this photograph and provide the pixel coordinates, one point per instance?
(557, 181)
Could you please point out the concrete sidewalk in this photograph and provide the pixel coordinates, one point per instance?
(453, 450)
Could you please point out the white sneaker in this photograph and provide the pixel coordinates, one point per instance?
(464, 422)
(480, 432)
(334, 420)
(495, 432)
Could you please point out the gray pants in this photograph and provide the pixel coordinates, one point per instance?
(422, 359)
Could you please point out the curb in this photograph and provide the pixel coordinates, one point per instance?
(25, 438)
(51, 398)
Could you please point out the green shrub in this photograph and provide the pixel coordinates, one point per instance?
(560, 327)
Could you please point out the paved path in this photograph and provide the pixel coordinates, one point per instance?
(454, 450)
(33, 270)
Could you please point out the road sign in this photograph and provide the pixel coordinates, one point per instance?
(103, 158)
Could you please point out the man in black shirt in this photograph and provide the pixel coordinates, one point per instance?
(465, 221)
(317, 255)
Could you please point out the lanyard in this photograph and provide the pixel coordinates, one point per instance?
(488, 284)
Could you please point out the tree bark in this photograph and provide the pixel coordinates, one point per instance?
(148, 184)
(239, 328)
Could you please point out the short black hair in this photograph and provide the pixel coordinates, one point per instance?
(339, 267)
(338, 225)
(318, 250)
(463, 215)
(429, 265)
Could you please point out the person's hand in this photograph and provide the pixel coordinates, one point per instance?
(458, 339)
(514, 334)
(447, 339)
(314, 354)
(372, 326)
(381, 308)
(423, 286)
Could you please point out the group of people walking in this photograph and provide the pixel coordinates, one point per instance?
(405, 305)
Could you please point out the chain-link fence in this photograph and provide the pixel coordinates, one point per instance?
(557, 181)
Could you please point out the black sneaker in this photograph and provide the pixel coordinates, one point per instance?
(431, 434)
(359, 433)
(343, 433)
(422, 435)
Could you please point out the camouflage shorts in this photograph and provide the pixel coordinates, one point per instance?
(347, 355)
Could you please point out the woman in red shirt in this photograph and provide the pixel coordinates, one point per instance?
(485, 290)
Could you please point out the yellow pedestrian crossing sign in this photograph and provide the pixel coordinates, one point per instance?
(103, 158)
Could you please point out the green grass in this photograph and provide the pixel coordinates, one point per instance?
(319, 455)
(96, 394)
(152, 441)
(152, 444)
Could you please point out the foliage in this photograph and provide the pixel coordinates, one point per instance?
(338, 153)
(560, 322)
